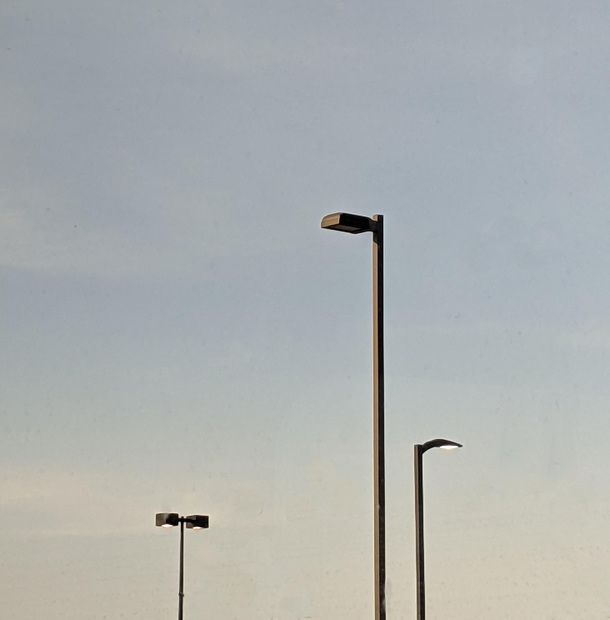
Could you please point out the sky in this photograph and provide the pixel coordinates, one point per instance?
(178, 334)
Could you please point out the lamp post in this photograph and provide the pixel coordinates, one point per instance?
(419, 450)
(193, 522)
(356, 224)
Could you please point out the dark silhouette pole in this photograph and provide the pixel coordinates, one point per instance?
(355, 224)
(419, 536)
(378, 420)
(181, 586)
(419, 450)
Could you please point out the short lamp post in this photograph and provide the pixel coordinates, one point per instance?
(193, 522)
(419, 450)
(356, 224)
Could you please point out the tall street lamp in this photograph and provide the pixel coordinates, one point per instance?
(193, 522)
(356, 224)
(419, 450)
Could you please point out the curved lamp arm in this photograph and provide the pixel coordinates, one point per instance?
(445, 444)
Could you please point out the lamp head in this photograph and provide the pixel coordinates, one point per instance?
(348, 222)
(167, 519)
(444, 444)
(197, 522)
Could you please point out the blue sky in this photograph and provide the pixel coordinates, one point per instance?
(178, 333)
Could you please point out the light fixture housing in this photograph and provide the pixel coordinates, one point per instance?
(167, 519)
(445, 444)
(350, 223)
(197, 522)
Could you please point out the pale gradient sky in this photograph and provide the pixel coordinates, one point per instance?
(178, 334)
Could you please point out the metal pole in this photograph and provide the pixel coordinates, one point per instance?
(378, 421)
(181, 591)
(419, 531)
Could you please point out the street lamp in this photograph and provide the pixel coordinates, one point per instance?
(356, 224)
(193, 522)
(419, 450)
